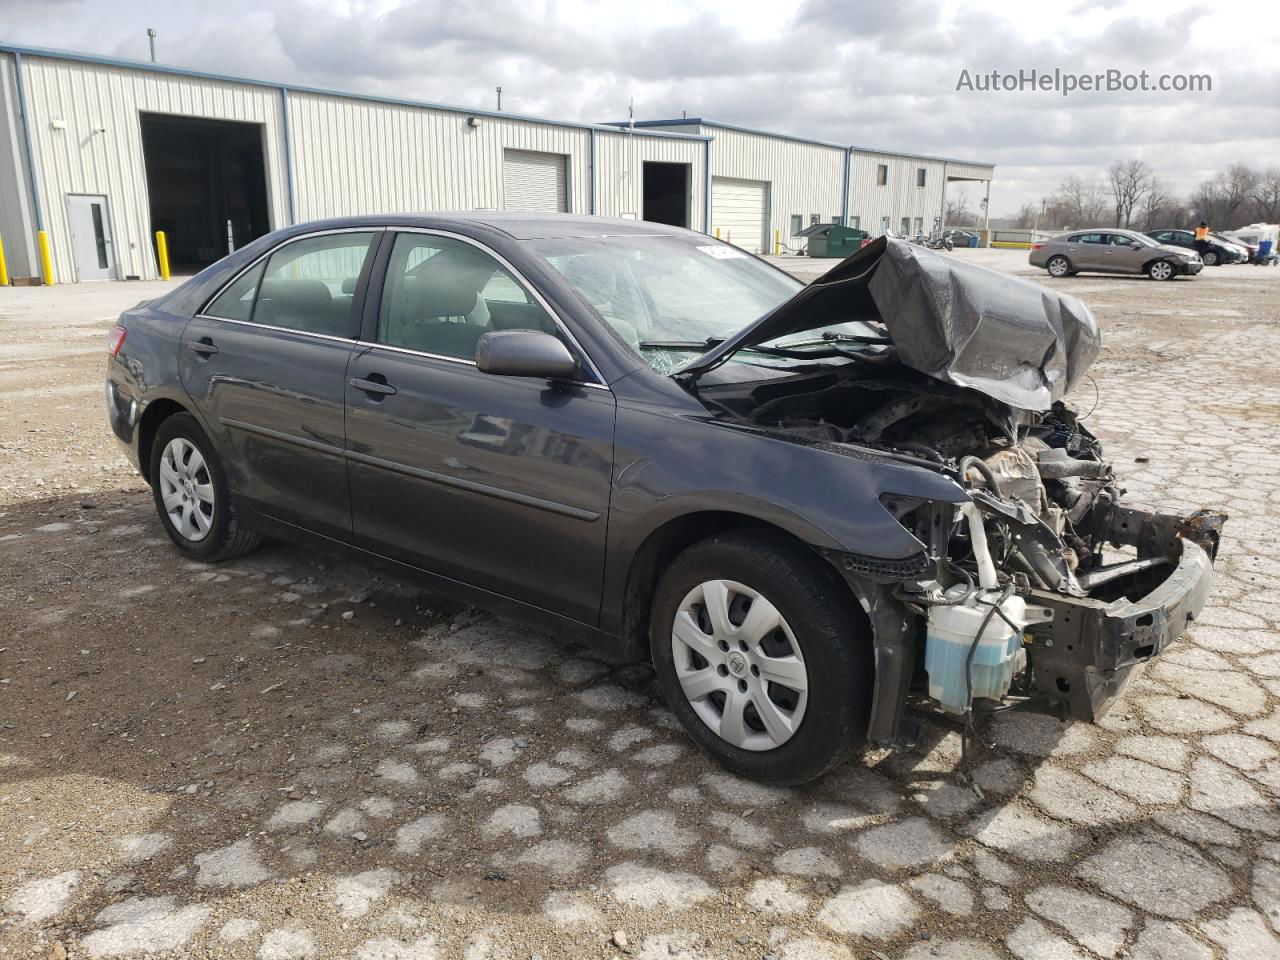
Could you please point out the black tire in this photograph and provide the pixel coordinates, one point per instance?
(1058, 266)
(833, 638)
(226, 536)
(1210, 258)
(1161, 270)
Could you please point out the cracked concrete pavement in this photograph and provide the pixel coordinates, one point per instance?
(218, 761)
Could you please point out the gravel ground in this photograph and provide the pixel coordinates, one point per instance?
(287, 756)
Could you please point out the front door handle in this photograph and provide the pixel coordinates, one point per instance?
(377, 387)
(204, 346)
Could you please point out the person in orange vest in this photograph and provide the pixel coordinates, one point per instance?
(1202, 238)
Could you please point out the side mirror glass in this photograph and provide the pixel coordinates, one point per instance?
(525, 353)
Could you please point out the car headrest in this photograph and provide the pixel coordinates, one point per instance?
(349, 285)
(296, 295)
(448, 284)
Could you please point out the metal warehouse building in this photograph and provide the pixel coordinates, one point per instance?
(98, 154)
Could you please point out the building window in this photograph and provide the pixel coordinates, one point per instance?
(884, 224)
(837, 220)
(921, 173)
(919, 224)
(882, 174)
(855, 222)
(797, 224)
(906, 226)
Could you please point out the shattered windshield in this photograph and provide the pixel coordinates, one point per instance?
(671, 298)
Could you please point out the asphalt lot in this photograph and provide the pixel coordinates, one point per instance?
(286, 757)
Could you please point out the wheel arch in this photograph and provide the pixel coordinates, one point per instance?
(155, 413)
(675, 534)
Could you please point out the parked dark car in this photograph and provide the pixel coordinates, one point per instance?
(807, 506)
(1216, 252)
(1113, 251)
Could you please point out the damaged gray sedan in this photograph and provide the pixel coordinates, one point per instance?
(818, 511)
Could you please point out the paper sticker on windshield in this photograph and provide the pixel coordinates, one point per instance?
(723, 252)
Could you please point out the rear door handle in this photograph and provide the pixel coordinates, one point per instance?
(204, 346)
(378, 387)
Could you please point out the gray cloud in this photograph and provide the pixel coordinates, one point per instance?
(870, 73)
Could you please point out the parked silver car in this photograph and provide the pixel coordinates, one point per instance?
(1113, 251)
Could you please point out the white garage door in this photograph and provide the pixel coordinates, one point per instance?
(738, 210)
(534, 181)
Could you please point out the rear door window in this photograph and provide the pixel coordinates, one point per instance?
(309, 284)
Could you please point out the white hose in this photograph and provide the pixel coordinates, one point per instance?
(978, 538)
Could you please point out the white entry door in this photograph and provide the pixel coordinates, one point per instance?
(738, 211)
(91, 237)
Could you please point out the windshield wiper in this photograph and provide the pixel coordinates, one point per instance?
(715, 341)
(832, 337)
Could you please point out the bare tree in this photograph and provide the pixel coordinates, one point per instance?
(1159, 206)
(1237, 188)
(1130, 180)
(1078, 203)
(1026, 216)
(1266, 196)
(957, 210)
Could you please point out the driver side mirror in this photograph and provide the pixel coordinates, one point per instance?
(525, 353)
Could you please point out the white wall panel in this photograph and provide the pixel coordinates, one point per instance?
(17, 223)
(99, 150)
(620, 172)
(359, 156)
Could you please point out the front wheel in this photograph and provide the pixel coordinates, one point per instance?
(949, 244)
(761, 657)
(1058, 266)
(1160, 270)
(191, 493)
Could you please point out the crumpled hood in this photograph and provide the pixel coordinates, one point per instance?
(1009, 338)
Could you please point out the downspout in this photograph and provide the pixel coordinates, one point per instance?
(844, 209)
(288, 155)
(591, 170)
(26, 140)
(706, 187)
(942, 204)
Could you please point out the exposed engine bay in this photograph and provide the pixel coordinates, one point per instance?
(1014, 586)
(1037, 581)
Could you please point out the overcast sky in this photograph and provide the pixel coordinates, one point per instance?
(879, 74)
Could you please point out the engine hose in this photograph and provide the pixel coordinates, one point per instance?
(971, 461)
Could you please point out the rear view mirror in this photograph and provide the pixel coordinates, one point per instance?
(525, 353)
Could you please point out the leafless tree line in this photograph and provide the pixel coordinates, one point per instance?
(1132, 195)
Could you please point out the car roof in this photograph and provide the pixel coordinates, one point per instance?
(520, 226)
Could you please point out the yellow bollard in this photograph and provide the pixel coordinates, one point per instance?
(162, 254)
(717, 233)
(46, 258)
(777, 243)
(4, 267)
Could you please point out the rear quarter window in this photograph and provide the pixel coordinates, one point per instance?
(236, 301)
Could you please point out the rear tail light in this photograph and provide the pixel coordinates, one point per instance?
(1036, 246)
(115, 340)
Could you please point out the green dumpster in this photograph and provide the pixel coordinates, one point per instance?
(832, 240)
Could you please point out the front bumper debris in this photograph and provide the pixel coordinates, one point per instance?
(1082, 659)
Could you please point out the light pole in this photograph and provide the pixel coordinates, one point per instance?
(151, 39)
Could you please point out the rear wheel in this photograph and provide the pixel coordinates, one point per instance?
(1210, 258)
(758, 654)
(1161, 270)
(1058, 266)
(191, 493)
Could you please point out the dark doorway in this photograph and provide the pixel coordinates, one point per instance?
(201, 174)
(666, 193)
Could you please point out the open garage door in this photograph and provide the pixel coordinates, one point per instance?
(207, 186)
(739, 209)
(538, 182)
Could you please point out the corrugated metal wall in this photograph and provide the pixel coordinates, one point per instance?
(100, 149)
(804, 178)
(358, 156)
(17, 224)
(620, 175)
(899, 197)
